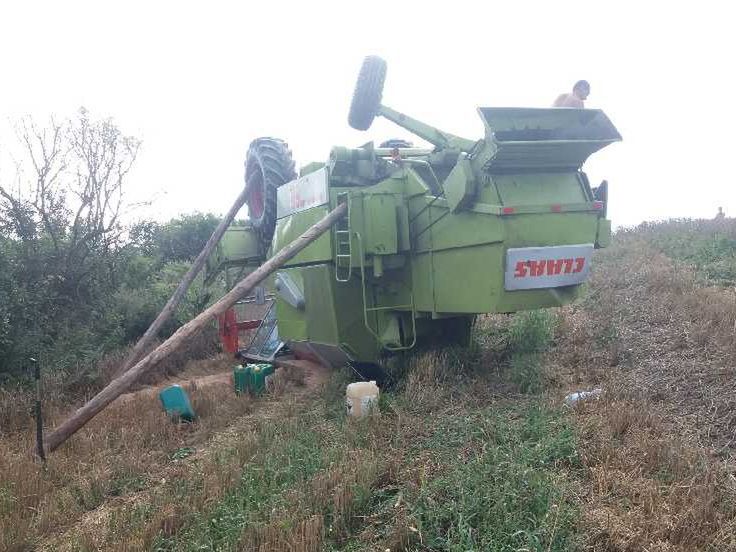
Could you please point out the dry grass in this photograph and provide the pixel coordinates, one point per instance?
(648, 327)
(146, 483)
(127, 452)
(648, 489)
(656, 468)
(61, 391)
(659, 446)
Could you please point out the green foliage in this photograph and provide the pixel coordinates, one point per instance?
(708, 245)
(525, 372)
(530, 334)
(126, 482)
(62, 240)
(179, 240)
(507, 495)
(75, 283)
(141, 297)
(181, 453)
(287, 454)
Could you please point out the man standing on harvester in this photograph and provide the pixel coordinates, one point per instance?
(577, 98)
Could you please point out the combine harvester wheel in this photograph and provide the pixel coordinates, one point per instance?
(268, 165)
(368, 93)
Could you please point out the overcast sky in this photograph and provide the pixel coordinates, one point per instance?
(198, 81)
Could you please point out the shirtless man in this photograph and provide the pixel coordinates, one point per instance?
(579, 93)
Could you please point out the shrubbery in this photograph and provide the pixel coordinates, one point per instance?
(76, 280)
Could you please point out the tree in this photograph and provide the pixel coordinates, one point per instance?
(182, 238)
(61, 232)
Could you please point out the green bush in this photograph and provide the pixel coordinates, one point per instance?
(709, 246)
(69, 330)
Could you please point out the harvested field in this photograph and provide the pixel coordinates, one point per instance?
(472, 450)
(657, 333)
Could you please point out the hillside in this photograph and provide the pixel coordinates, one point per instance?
(473, 449)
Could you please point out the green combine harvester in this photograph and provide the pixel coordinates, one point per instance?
(433, 236)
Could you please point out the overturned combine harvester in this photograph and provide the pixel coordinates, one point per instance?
(422, 240)
(432, 237)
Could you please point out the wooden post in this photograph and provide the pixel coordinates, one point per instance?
(181, 290)
(121, 384)
(39, 410)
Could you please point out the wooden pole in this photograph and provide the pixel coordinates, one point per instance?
(39, 410)
(121, 384)
(181, 290)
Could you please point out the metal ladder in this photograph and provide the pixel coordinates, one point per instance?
(343, 250)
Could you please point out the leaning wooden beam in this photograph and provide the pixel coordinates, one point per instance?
(121, 384)
(153, 330)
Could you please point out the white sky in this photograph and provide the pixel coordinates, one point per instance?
(198, 81)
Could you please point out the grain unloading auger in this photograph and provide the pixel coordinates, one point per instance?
(432, 238)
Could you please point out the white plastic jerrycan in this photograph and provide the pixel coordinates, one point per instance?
(361, 398)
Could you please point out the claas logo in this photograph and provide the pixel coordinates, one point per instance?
(549, 267)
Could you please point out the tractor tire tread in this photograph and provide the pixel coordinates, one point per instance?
(271, 157)
(368, 93)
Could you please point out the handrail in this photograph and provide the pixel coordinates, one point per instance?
(367, 309)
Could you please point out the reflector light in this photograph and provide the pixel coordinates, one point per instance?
(556, 208)
(507, 211)
(598, 205)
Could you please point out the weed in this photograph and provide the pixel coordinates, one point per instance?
(288, 453)
(126, 482)
(525, 372)
(708, 246)
(506, 495)
(181, 453)
(529, 335)
(531, 331)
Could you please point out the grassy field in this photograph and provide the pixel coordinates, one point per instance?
(472, 450)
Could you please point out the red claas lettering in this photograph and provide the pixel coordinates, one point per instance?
(554, 266)
(520, 269)
(549, 267)
(536, 268)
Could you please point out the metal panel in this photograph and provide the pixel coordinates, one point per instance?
(266, 342)
(290, 228)
(547, 267)
(302, 194)
(463, 278)
(381, 236)
(289, 291)
(540, 189)
(543, 139)
(459, 186)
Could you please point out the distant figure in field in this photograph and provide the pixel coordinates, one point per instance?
(720, 215)
(577, 98)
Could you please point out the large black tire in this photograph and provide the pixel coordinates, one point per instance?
(268, 165)
(368, 93)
